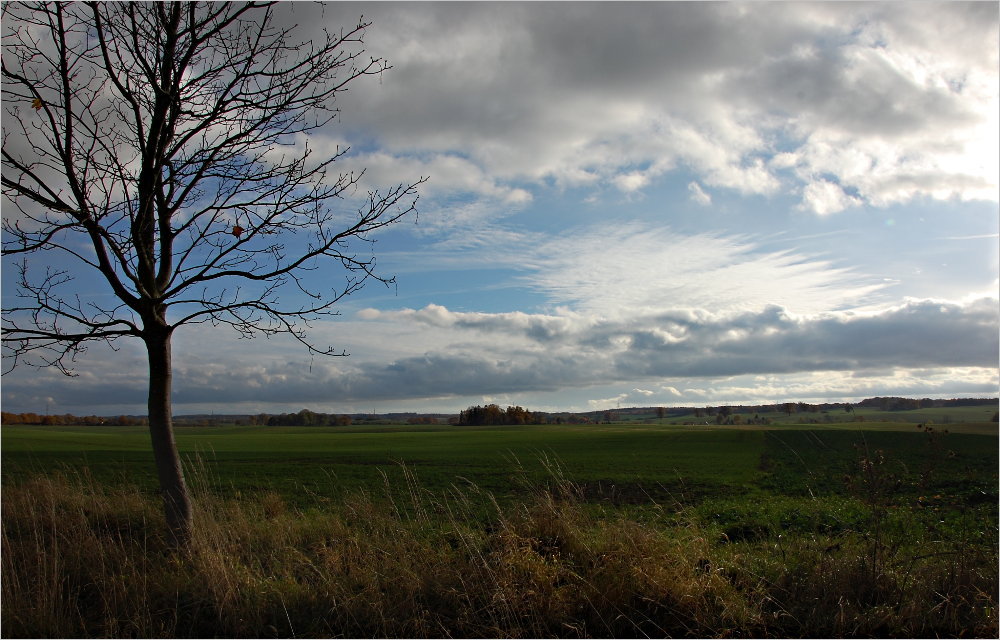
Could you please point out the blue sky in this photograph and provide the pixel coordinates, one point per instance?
(640, 204)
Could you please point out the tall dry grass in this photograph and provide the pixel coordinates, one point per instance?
(82, 559)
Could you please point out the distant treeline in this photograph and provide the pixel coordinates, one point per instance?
(304, 418)
(906, 404)
(492, 414)
(66, 419)
(879, 403)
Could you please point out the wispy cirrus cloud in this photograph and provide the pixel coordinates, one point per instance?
(625, 267)
(630, 268)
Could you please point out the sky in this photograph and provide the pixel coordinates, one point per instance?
(638, 204)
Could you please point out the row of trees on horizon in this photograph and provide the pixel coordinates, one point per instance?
(493, 414)
(69, 419)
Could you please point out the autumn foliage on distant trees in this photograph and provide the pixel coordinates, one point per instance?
(492, 414)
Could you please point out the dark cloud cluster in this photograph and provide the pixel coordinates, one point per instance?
(924, 334)
(520, 352)
(495, 354)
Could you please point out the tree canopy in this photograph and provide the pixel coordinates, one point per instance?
(163, 151)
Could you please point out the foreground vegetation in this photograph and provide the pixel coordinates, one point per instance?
(617, 532)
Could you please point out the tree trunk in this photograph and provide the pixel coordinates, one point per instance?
(176, 501)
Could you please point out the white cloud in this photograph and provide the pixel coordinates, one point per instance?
(840, 386)
(824, 197)
(698, 194)
(630, 182)
(892, 103)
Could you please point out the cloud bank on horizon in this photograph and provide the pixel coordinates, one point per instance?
(644, 203)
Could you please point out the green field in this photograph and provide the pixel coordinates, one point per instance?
(623, 463)
(298, 461)
(881, 528)
(724, 459)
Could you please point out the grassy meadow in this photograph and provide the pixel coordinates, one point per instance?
(614, 530)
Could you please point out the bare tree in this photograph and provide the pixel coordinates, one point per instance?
(163, 147)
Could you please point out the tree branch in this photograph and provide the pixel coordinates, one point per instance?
(166, 136)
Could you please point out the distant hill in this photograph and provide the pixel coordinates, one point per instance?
(877, 403)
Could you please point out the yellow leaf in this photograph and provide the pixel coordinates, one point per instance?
(37, 103)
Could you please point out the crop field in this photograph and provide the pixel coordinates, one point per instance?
(308, 460)
(831, 529)
(300, 462)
